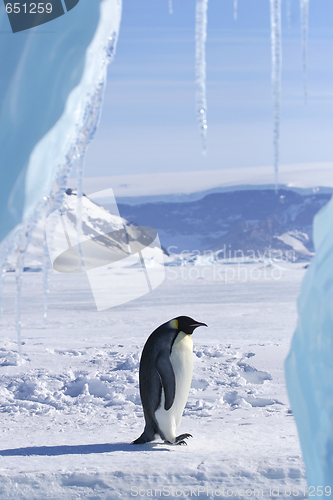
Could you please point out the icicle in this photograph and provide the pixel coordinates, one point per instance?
(304, 7)
(235, 9)
(79, 194)
(170, 7)
(91, 119)
(276, 80)
(46, 267)
(289, 14)
(2, 284)
(23, 237)
(200, 68)
(19, 278)
(23, 241)
(6, 248)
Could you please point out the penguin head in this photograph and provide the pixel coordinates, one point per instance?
(187, 325)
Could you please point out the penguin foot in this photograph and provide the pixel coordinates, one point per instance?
(180, 439)
(141, 440)
(181, 442)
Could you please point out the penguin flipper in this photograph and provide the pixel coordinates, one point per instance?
(165, 370)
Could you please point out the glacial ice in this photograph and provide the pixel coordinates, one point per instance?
(200, 67)
(39, 79)
(63, 92)
(276, 45)
(44, 81)
(309, 366)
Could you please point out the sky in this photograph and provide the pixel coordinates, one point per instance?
(148, 122)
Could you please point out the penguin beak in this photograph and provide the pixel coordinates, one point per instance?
(198, 324)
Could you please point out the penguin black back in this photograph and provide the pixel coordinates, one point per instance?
(158, 384)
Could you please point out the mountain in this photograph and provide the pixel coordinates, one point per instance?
(241, 223)
(106, 237)
(247, 222)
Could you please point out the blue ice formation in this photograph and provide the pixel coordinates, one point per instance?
(309, 366)
(50, 92)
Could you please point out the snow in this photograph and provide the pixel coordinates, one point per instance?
(295, 243)
(71, 406)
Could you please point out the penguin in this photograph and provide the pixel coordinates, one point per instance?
(165, 376)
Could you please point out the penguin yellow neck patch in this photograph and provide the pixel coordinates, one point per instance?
(174, 323)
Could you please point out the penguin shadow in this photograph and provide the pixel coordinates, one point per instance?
(83, 449)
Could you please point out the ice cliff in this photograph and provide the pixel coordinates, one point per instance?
(309, 366)
(50, 97)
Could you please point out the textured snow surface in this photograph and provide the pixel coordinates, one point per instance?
(71, 406)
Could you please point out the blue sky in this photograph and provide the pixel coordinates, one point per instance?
(148, 121)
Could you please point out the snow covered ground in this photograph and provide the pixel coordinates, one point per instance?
(71, 408)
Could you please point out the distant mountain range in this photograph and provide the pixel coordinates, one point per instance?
(253, 222)
(250, 224)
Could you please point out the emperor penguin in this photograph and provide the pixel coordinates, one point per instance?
(165, 376)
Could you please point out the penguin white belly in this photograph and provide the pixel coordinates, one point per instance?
(182, 363)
